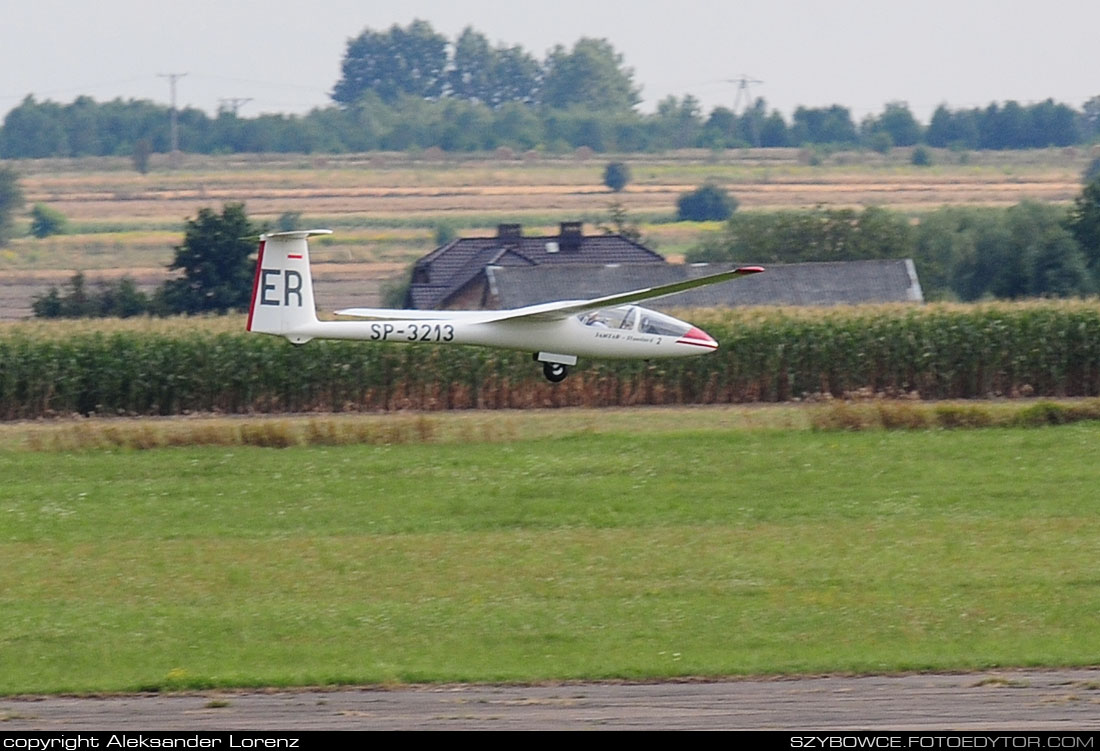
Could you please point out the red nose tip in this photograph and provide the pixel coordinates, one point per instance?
(699, 338)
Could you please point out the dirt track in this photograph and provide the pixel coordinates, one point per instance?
(1003, 700)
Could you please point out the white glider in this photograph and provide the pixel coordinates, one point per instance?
(557, 333)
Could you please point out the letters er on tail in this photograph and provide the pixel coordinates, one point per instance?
(556, 333)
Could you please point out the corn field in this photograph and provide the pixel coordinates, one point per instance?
(932, 352)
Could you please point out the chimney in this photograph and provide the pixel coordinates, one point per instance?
(572, 235)
(509, 232)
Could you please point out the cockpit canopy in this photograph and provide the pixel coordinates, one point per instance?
(635, 318)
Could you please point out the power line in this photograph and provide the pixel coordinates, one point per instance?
(743, 83)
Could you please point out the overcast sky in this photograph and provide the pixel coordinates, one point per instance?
(285, 56)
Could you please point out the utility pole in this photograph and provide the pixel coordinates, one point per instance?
(743, 82)
(174, 158)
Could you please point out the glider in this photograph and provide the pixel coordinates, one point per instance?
(556, 333)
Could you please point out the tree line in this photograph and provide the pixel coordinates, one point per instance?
(411, 88)
(961, 253)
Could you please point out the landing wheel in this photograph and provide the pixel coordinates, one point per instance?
(555, 372)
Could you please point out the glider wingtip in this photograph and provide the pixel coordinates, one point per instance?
(750, 270)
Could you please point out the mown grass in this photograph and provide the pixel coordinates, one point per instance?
(642, 553)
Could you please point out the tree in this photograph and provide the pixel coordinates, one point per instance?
(1083, 223)
(954, 129)
(774, 131)
(706, 203)
(616, 175)
(33, 130)
(470, 76)
(590, 76)
(143, 149)
(1092, 172)
(214, 258)
(824, 125)
(620, 224)
(491, 75)
(400, 61)
(897, 122)
(1090, 118)
(678, 123)
(11, 201)
(46, 221)
(516, 77)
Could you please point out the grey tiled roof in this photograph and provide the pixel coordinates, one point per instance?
(834, 283)
(452, 266)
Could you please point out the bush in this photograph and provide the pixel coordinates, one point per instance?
(121, 299)
(707, 203)
(289, 221)
(46, 221)
(881, 142)
(1092, 172)
(922, 157)
(616, 175)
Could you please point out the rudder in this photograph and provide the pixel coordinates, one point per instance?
(282, 290)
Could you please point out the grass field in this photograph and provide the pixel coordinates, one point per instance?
(645, 544)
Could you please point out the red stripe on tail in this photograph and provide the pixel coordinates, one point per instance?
(255, 284)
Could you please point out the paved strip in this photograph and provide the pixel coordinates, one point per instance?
(1002, 700)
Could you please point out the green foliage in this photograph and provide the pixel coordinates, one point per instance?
(402, 61)
(817, 235)
(1083, 223)
(616, 175)
(395, 292)
(960, 253)
(288, 221)
(11, 201)
(880, 142)
(492, 76)
(46, 221)
(444, 232)
(826, 125)
(678, 123)
(921, 157)
(216, 265)
(121, 299)
(1092, 172)
(143, 149)
(1040, 349)
(505, 106)
(709, 202)
(590, 76)
(896, 123)
(619, 224)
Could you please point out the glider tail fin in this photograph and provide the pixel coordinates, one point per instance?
(282, 290)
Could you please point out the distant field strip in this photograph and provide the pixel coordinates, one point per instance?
(653, 552)
(402, 201)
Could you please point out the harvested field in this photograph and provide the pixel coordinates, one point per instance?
(386, 207)
(902, 192)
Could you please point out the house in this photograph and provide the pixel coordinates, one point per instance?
(455, 276)
(827, 283)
